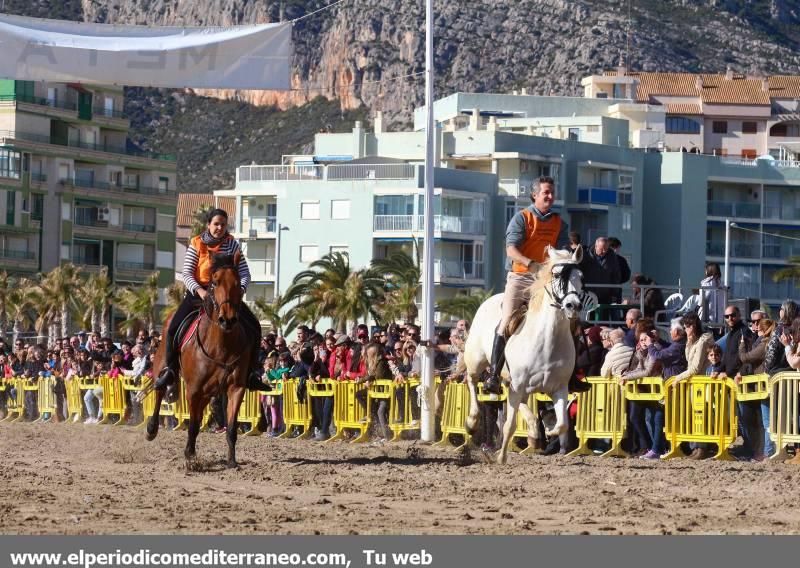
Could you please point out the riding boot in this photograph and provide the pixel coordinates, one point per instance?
(577, 385)
(493, 384)
(168, 377)
(254, 375)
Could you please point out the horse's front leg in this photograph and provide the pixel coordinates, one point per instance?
(471, 422)
(196, 405)
(151, 427)
(514, 400)
(561, 428)
(235, 397)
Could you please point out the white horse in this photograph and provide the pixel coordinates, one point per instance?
(540, 355)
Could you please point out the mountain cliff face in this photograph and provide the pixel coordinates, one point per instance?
(359, 54)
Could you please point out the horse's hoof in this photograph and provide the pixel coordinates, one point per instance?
(232, 465)
(152, 430)
(557, 431)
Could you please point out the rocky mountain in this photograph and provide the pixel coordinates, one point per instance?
(358, 56)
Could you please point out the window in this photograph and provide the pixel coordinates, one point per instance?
(574, 134)
(786, 129)
(625, 190)
(10, 164)
(340, 208)
(749, 153)
(601, 95)
(619, 91)
(511, 210)
(749, 127)
(132, 181)
(681, 125)
(719, 127)
(163, 184)
(309, 253)
(626, 220)
(593, 128)
(309, 210)
(344, 249)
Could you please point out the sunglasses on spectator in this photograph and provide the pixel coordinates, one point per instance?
(729, 316)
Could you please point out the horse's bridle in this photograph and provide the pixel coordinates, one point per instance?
(564, 278)
(210, 305)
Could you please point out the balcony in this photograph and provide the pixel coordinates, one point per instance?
(728, 209)
(262, 269)
(109, 113)
(63, 105)
(786, 213)
(715, 249)
(779, 290)
(139, 228)
(104, 186)
(738, 250)
(341, 172)
(597, 195)
(457, 269)
(746, 290)
(442, 223)
(17, 254)
(7, 135)
(136, 266)
(782, 251)
(262, 226)
(38, 177)
(86, 260)
(515, 186)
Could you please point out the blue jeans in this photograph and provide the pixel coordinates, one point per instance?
(749, 425)
(638, 430)
(654, 418)
(769, 445)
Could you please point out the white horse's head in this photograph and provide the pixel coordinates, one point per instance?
(566, 287)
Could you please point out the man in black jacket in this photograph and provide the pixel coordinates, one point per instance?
(748, 412)
(604, 269)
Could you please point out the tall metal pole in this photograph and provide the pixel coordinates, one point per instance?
(278, 261)
(428, 426)
(727, 251)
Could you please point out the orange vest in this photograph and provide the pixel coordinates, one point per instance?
(202, 272)
(538, 235)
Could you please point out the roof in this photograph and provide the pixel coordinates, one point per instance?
(683, 108)
(188, 203)
(714, 88)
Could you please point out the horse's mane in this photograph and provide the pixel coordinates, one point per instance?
(544, 275)
(220, 261)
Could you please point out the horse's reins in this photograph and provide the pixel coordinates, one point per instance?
(228, 367)
(564, 277)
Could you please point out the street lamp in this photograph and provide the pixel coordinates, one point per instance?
(281, 228)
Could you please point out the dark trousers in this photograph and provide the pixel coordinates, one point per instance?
(749, 421)
(640, 433)
(322, 413)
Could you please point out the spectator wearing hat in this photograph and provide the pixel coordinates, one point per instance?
(340, 360)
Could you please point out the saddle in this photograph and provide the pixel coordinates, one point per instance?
(187, 329)
(516, 320)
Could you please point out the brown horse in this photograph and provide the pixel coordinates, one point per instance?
(215, 360)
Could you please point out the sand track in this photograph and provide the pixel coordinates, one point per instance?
(78, 479)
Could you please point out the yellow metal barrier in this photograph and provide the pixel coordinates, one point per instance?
(46, 399)
(454, 413)
(296, 413)
(348, 414)
(74, 400)
(784, 416)
(250, 412)
(113, 400)
(753, 387)
(15, 406)
(401, 417)
(646, 389)
(601, 416)
(700, 409)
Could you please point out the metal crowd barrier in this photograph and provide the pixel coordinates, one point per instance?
(784, 416)
(601, 416)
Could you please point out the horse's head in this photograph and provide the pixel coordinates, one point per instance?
(566, 287)
(224, 292)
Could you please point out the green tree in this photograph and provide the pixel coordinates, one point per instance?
(58, 299)
(6, 285)
(790, 273)
(20, 305)
(139, 306)
(329, 287)
(175, 293)
(273, 311)
(199, 220)
(402, 283)
(464, 306)
(98, 293)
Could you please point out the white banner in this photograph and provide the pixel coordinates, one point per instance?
(242, 57)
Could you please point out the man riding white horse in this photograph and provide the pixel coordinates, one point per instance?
(528, 235)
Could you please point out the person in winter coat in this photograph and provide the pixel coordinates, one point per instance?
(712, 296)
(618, 357)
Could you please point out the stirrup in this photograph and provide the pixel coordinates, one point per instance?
(254, 383)
(165, 378)
(492, 385)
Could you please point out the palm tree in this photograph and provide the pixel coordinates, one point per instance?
(21, 307)
(464, 306)
(139, 306)
(270, 310)
(790, 273)
(6, 284)
(98, 294)
(305, 314)
(199, 220)
(175, 293)
(402, 275)
(330, 288)
(56, 300)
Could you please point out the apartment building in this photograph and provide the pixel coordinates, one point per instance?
(728, 114)
(73, 190)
